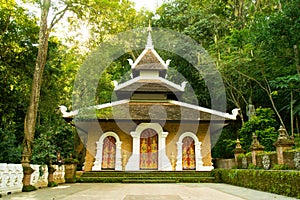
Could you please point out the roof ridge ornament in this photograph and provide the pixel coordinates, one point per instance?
(149, 44)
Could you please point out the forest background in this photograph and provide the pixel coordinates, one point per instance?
(254, 44)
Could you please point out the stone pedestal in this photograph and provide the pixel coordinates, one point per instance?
(70, 172)
(283, 143)
(27, 175)
(51, 171)
(27, 170)
(238, 151)
(256, 148)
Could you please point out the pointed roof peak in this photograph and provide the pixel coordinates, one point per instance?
(149, 44)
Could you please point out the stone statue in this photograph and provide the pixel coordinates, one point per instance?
(250, 110)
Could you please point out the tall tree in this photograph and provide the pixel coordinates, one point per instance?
(31, 115)
(18, 33)
(91, 11)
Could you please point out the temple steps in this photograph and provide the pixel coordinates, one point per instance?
(146, 177)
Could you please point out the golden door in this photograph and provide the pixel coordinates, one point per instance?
(188, 154)
(149, 150)
(109, 153)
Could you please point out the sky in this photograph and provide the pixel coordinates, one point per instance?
(148, 4)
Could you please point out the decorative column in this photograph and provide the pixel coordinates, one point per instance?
(255, 148)
(133, 162)
(98, 162)
(118, 165)
(283, 143)
(163, 162)
(179, 156)
(238, 151)
(199, 162)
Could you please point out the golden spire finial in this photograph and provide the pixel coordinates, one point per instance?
(149, 26)
(149, 44)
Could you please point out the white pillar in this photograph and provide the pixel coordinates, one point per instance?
(179, 157)
(118, 165)
(163, 160)
(199, 162)
(133, 161)
(98, 161)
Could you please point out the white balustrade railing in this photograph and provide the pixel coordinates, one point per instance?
(39, 178)
(11, 176)
(43, 179)
(35, 175)
(59, 174)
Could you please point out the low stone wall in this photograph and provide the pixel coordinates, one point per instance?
(11, 176)
(267, 160)
(59, 174)
(39, 178)
(225, 163)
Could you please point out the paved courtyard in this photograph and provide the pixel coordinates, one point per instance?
(116, 191)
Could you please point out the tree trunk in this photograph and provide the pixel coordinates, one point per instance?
(31, 115)
(297, 125)
(297, 59)
(292, 114)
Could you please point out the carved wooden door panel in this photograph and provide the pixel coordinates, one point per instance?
(188, 154)
(109, 153)
(149, 150)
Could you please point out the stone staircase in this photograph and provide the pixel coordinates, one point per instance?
(146, 177)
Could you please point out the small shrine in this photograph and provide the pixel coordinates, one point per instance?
(148, 127)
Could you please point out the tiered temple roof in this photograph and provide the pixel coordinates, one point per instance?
(149, 89)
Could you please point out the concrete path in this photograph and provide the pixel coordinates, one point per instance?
(119, 191)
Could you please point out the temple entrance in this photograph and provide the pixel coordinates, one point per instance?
(149, 150)
(109, 153)
(188, 154)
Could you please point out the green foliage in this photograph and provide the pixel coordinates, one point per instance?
(226, 143)
(248, 154)
(263, 126)
(44, 152)
(280, 167)
(28, 188)
(252, 46)
(241, 156)
(71, 161)
(286, 91)
(279, 182)
(50, 141)
(146, 177)
(201, 22)
(18, 34)
(10, 148)
(252, 166)
(52, 184)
